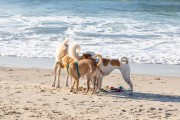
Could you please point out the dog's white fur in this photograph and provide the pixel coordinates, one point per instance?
(74, 51)
(124, 68)
(61, 51)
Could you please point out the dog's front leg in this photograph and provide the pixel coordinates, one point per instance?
(67, 79)
(54, 72)
(72, 85)
(59, 72)
(99, 83)
(94, 86)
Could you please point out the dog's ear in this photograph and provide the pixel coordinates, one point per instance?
(83, 56)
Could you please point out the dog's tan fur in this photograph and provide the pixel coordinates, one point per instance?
(114, 62)
(106, 61)
(87, 67)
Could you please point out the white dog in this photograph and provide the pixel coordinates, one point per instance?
(62, 51)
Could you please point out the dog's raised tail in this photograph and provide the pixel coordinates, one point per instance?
(100, 59)
(65, 41)
(74, 51)
(125, 60)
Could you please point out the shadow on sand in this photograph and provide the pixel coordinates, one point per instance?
(145, 96)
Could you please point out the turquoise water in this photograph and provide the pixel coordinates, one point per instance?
(145, 31)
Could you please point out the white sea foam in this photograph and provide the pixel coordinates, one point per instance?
(142, 42)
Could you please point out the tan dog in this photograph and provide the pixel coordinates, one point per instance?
(106, 66)
(84, 67)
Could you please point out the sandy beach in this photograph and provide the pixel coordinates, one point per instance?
(26, 94)
(147, 32)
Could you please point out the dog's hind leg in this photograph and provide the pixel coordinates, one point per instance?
(59, 72)
(87, 85)
(54, 72)
(128, 81)
(99, 83)
(71, 79)
(126, 78)
(77, 85)
(72, 85)
(67, 78)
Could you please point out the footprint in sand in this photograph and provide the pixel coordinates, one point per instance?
(157, 78)
(65, 99)
(18, 91)
(39, 99)
(57, 112)
(160, 109)
(123, 110)
(34, 116)
(168, 115)
(11, 112)
(10, 70)
(26, 108)
(152, 109)
(29, 102)
(45, 104)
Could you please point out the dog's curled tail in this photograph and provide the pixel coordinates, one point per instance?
(74, 51)
(100, 59)
(125, 60)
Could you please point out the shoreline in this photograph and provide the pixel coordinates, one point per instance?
(47, 63)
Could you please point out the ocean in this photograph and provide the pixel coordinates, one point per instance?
(146, 31)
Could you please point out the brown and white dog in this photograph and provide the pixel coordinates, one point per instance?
(106, 66)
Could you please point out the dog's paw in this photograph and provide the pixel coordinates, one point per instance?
(93, 92)
(85, 93)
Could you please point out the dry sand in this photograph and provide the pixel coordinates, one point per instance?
(26, 94)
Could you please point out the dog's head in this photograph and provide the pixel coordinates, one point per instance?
(86, 56)
(89, 57)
